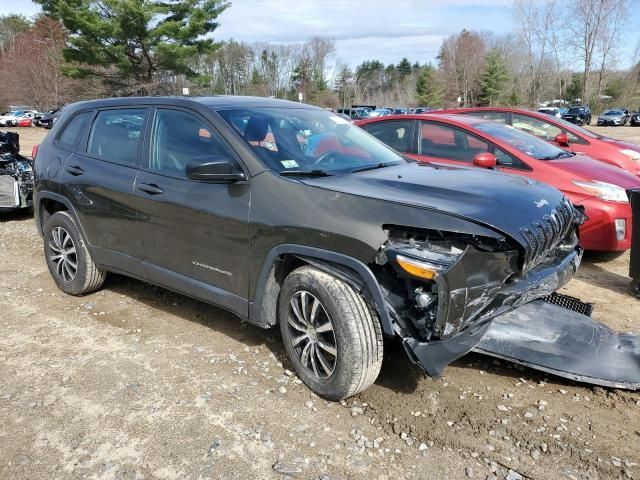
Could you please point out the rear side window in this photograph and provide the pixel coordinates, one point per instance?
(73, 131)
(116, 134)
(495, 116)
(396, 134)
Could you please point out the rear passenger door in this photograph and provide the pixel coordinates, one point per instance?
(195, 234)
(98, 178)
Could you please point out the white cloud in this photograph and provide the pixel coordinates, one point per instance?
(374, 29)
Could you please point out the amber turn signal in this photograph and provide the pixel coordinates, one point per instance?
(417, 268)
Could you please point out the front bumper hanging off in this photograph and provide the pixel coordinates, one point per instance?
(544, 336)
(554, 339)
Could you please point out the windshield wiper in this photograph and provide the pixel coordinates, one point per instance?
(305, 173)
(559, 155)
(374, 166)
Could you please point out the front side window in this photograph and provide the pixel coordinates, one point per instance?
(115, 135)
(180, 138)
(396, 134)
(304, 139)
(72, 132)
(444, 141)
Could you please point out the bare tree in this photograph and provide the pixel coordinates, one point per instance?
(595, 25)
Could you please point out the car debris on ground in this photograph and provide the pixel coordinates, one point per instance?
(16, 174)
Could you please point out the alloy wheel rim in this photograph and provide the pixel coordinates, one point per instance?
(63, 254)
(312, 335)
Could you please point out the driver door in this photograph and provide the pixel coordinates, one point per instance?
(195, 236)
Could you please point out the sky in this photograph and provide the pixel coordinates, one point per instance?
(364, 29)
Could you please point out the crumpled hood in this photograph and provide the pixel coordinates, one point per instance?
(504, 202)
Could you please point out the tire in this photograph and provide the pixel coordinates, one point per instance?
(356, 335)
(65, 247)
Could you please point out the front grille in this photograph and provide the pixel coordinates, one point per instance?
(544, 236)
(570, 303)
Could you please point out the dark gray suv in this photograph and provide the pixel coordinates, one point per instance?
(286, 214)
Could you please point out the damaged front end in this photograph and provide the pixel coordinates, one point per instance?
(443, 289)
(16, 175)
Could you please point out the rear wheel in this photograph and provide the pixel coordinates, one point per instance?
(332, 335)
(68, 258)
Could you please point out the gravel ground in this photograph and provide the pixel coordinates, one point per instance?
(137, 382)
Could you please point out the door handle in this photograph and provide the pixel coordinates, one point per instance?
(75, 170)
(150, 188)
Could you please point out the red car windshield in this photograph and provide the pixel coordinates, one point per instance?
(523, 142)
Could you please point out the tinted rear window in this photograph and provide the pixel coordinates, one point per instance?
(73, 131)
(115, 135)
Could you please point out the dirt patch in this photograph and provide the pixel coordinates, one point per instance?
(137, 382)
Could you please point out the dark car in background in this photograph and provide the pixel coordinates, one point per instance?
(49, 118)
(418, 110)
(286, 214)
(614, 117)
(355, 113)
(578, 115)
(634, 120)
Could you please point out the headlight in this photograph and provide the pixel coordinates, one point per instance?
(632, 154)
(604, 191)
(419, 268)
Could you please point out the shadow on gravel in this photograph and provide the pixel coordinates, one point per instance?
(398, 373)
(192, 310)
(591, 272)
(14, 215)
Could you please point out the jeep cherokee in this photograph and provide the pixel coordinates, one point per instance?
(286, 214)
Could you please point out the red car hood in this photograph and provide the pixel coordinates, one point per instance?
(629, 164)
(584, 167)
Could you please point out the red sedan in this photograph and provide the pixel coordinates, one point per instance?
(578, 140)
(24, 122)
(465, 140)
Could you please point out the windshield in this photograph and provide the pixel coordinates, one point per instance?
(305, 140)
(523, 142)
(574, 111)
(613, 112)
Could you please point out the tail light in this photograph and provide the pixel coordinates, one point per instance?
(34, 151)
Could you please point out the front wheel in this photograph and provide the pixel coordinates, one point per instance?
(331, 334)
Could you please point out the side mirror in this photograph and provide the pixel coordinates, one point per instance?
(485, 160)
(562, 139)
(214, 169)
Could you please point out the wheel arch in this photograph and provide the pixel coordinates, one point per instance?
(283, 259)
(48, 203)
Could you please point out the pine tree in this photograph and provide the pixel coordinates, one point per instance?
(136, 37)
(493, 79)
(427, 87)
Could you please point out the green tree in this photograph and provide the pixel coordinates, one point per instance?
(427, 87)
(137, 37)
(574, 89)
(493, 79)
(10, 27)
(404, 68)
(615, 88)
